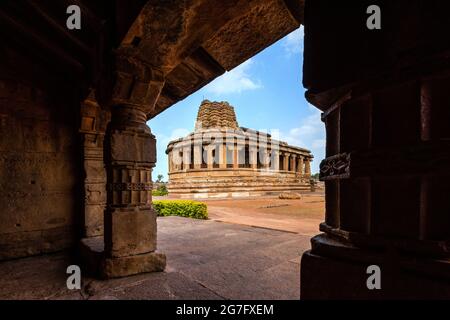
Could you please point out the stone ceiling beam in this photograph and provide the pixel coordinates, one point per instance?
(193, 42)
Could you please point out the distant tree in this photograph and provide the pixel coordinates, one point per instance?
(160, 178)
(315, 176)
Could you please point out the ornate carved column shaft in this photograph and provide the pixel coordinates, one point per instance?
(130, 155)
(93, 126)
(130, 221)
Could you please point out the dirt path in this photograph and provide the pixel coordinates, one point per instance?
(300, 216)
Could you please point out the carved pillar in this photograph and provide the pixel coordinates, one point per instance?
(386, 106)
(300, 168)
(130, 155)
(130, 221)
(93, 126)
(307, 163)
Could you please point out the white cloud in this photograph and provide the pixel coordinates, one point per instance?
(163, 140)
(293, 42)
(234, 81)
(310, 134)
(310, 130)
(319, 143)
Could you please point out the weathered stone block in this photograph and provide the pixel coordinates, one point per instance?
(22, 244)
(125, 266)
(289, 195)
(95, 193)
(95, 262)
(130, 231)
(133, 147)
(93, 222)
(95, 170)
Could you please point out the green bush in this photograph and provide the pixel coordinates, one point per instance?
(160, 191)
(182, 208)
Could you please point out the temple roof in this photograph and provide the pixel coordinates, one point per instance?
(216, 115)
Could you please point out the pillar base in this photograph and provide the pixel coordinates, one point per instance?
(335, 270)
(96, 264)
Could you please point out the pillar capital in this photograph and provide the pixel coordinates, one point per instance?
(136, 83)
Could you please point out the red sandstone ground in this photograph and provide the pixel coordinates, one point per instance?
(300, 216)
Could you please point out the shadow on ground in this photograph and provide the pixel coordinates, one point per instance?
(205, 260)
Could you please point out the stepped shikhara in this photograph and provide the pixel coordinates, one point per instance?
(216, 115)
(221, 159)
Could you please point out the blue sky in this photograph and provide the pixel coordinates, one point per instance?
(267, 94)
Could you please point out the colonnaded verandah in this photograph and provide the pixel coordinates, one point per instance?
(222, 159)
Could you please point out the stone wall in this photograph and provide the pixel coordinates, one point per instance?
(221, 183)
(39, 171)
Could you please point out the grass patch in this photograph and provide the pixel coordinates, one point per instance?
(181, 208)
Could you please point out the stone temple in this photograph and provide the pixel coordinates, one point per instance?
(222, 159)
(76, 153)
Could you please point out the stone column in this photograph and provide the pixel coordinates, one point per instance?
(253, 156)
(307, 162)
(130, 154)
(186, 157)
(293, 162)
(209, 157)
(265, 159)
(198, 155)
(276, 160)
(223, 156)
(93, 126)
(169, 161)
(235, 157)
(286, 161)
(300, 165)
(177, 159)
(130, 221)
(386, 168)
